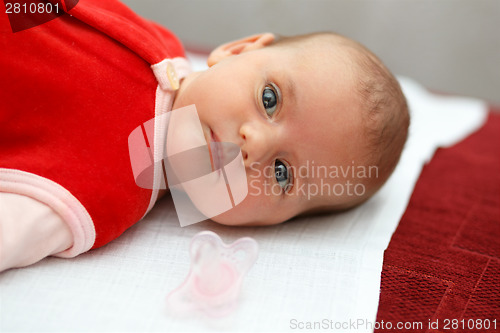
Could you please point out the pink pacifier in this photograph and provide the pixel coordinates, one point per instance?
(214, 280)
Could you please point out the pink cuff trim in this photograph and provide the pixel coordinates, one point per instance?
(163, 103)
(58, 199)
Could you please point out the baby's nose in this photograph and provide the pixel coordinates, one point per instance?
(259, 144)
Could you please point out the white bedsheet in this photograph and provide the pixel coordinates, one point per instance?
(310, 269)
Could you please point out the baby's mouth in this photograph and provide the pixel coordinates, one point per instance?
(216, 152)
(222, 153)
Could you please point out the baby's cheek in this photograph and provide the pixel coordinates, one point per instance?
(242, 213)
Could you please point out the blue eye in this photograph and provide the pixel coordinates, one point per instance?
(269, 100)
(282, 175)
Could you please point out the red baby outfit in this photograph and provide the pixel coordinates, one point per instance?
(71, 92)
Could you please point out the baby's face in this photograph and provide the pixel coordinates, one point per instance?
(296, 117)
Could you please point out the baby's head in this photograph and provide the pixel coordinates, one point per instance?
(320, 121)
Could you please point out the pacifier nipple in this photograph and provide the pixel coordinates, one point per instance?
(214, 280)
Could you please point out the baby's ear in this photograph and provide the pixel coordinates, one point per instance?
(239, 46)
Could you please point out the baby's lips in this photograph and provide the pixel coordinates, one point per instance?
(199, 189)
(214, 280)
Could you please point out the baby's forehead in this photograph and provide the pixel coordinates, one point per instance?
(319, 61)
(327, 45)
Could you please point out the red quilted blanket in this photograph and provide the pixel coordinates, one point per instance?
(442, 266)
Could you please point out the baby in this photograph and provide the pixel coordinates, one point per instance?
(320, 122)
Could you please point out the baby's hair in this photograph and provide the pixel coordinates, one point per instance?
(386, 118)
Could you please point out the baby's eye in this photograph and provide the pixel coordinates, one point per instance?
(282, 175)
(269, 100)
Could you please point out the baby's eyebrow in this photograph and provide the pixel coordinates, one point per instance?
(290, 90)
(302, 174)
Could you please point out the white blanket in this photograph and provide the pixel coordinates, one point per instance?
(310, 271)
